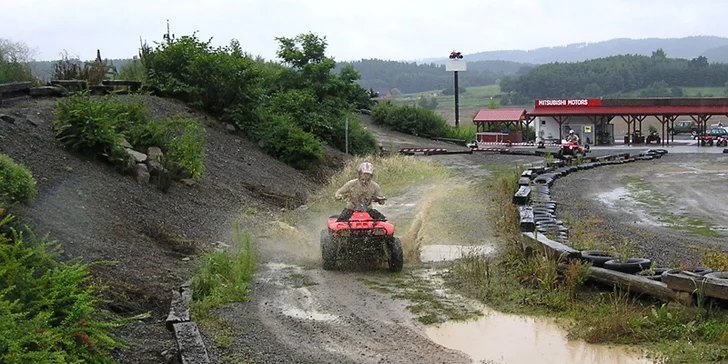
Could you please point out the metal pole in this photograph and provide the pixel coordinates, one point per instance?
(346, 132)
(457, 101)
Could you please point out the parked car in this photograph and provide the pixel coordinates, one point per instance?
(684, 127)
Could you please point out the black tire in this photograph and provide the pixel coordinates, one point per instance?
(396, 257)
(632, 266)
(596, 257)
(700, 270)
(654, 274)
(328, 251)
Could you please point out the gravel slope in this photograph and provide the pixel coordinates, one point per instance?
(97, 214)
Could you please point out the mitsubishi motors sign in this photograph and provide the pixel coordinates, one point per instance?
(568, 102)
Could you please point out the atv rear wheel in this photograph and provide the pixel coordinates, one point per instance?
(396, 257)
(328, 250)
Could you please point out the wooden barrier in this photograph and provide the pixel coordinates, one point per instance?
(521, 197)
(14, 90)
(528, 223)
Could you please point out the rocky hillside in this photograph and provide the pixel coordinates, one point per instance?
(151, 236)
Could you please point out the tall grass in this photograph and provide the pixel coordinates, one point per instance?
(223, 276)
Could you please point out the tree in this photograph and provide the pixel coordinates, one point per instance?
(15, 58)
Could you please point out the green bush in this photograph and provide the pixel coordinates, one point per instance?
(410, 119)
(181, 140)
(16, 182)
(302, 92)
(361, 141)
(48, 309)
(286, 141)
(100, 126)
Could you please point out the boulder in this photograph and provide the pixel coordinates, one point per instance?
(155, 153)
(137, 156)
(141, 173)
(125, 143)
(36, 121)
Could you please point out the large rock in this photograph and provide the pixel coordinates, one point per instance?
(141, 173)
(155, 153)
(137, 156)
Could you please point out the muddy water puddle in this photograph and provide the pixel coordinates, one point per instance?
(511, 339)
(439, 253)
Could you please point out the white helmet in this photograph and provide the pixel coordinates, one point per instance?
(571, 131)
(366, 167)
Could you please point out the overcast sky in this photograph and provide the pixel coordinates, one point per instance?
(387, 29)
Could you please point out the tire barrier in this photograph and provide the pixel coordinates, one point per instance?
(539, 223)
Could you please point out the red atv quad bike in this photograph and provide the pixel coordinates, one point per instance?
(572, 149)
(361, 236)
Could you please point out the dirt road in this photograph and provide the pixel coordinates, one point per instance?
(300, 313)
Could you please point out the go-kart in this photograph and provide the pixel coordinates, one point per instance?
(571, 149)
(360, 237)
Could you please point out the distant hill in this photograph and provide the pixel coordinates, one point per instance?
(713, 48)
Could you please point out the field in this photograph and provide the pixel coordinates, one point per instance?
(474, 99)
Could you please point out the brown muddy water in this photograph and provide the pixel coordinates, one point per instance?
(512, 339)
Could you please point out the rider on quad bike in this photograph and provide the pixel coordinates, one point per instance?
(572, 137)
(361, 190)
(360, 231)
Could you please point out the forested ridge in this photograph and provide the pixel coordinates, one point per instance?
(656, 75)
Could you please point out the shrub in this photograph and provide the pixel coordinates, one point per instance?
(287, 142)
(16, 182)
(181, 140)
(361, 141)
(100, 126)
(302, 92)
(48, 309)
(93, 125)
(409, 119)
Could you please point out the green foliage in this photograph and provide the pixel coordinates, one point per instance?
(285, 140)
(610, 76)
(223, 276)
(409, 119)
(16, 182)
(410, 77)
(132, 71)
(100, 126)
(14, 62)
(293, 107)
(427, 103)
(48, 309)
(449, 91)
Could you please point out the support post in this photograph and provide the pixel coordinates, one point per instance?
(457, 101)
(346, 132)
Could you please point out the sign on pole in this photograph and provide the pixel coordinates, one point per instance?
(455, 65)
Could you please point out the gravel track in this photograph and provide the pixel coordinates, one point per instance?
(684, 183)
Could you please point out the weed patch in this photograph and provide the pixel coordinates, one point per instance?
(222, 276)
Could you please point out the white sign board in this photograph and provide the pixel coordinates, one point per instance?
(458, 65)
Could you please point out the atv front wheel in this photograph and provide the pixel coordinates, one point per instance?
(396, 258)
(328, 250)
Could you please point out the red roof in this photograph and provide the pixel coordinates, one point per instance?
(499, 115)
(629, 110)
